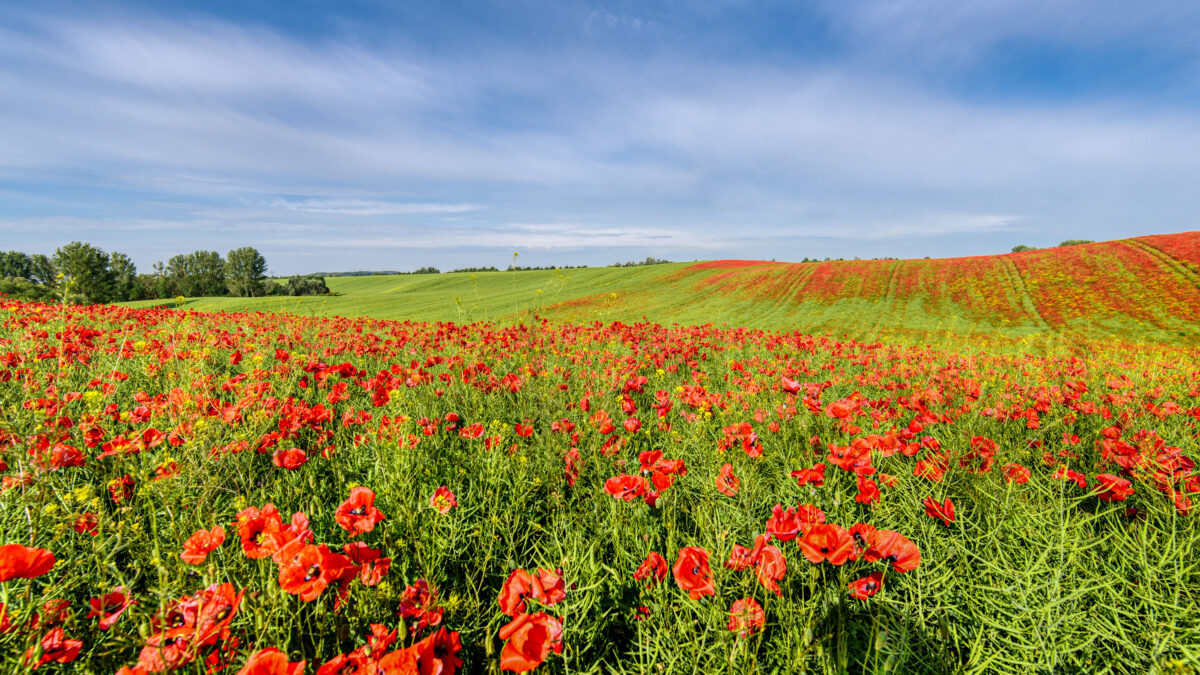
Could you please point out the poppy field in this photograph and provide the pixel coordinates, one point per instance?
(270, 493)
(1142, 289)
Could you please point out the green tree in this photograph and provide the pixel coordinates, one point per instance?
(199, 273)
(15, 264)
(245, 270)
(85, 271)
(1076, 242)
(1022, 247)
(124, 274)
(42, 270)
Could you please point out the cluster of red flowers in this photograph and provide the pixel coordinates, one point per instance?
(530, 636)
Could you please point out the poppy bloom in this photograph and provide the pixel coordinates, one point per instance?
(625, 487)
(814, 475)
(727, 483)
(896, 549)
(746, 617)
(311, 570)
(692, 572)
(55, 648)
(261, 531)
(121, 489)
(443, 500)
(290, 459)
(512, 594)
(372, 567)
(867, 586)
(1113, 488)
(770, 566)
(783, 525)
(271, 661)
(868, 491)
(23, 562)
(1063, 473)
(358, 514)
(86, 523)
(944, 511)
(109, 607)
(654, 568)
(530, 639)
(1015, 473)
(827, 542)
(199, 545)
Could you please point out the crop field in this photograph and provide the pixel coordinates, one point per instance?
(1140, 290)
(275, 493)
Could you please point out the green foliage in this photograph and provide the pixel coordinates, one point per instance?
(1020, 248)
(86, 272)
(1076, 242)
(311, 285)
(195, 274)
(245, 271)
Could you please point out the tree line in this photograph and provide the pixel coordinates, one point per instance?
(79, 272)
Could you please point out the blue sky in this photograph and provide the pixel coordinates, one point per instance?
(393, 135)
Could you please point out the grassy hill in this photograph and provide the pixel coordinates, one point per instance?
(1141, 289)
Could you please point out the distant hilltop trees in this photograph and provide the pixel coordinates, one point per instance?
(79, 272)
(1066, 242)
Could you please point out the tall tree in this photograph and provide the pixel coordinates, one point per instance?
(124, 274)
(85, 270)
(245, 270)
(15, 264)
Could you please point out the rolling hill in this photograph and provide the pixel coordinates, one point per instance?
(1143, 289)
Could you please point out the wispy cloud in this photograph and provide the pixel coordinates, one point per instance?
(176, 127)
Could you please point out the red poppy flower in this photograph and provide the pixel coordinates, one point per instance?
(944, 511)
(199, 545)
(290, 459)
(530, 639)
(746, 617)
(654, 568)
(271, 661)
(438, 653)
(632, 425)
(864, 587)
(512, 594)
(109, 607)
(55, 648)
(827, 542)
(814, 475)
(311, 570)
(86, 523)
(1113, 488)
(868, 491)
(727, 483)
(261, 531)
(692, 572)
(625, 487)
(1063, 473)
(121, 489)
(770, 567)
(23, 562)
(1015, 473)
(783, 525)
(548, 587)
(372, 567)
(443, 500)
(358, 514)
(896, 549)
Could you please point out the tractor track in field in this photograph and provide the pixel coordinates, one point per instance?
(1026, 300)
(1175, 265)
(890, 298)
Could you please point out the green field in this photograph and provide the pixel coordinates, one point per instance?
(1142, 290)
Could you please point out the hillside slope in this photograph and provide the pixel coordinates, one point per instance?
(1140, 289)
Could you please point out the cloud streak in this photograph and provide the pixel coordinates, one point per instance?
(204, 125)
